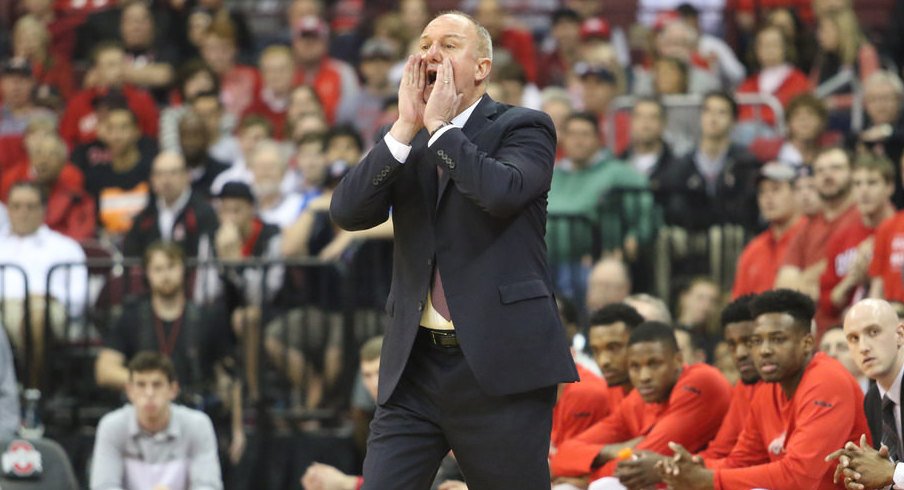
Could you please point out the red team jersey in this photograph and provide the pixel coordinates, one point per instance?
(691, 416)
(785, 441)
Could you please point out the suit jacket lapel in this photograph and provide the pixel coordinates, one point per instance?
(479, 119)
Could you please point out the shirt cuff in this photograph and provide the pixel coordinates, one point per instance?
(898, 477)
(439, 132)
(399, 150)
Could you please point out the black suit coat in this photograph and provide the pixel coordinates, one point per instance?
(872, 405)
(483, 223)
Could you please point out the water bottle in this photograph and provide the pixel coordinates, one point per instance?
(32, 428)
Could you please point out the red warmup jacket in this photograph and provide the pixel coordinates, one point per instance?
(79, 123)
(70, 209)
(12, 151)
(784, 442)
(580, 405)
(327, 84)
(733, 423)
(521, 44)
(691, 417)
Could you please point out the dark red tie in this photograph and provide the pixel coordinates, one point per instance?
(438, 294)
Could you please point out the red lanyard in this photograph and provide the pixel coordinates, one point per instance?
(167, 344)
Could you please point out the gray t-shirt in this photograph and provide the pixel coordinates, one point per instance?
(182, 457)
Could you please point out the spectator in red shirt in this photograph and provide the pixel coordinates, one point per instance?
(560, 50)
(238, 83)
(61, 27)
(79, 124)
(805, 258)
(610, 328)
(671, 402)
(850, 248)
(776, 75)
(509, 36)
(70, 209)
(272, 100)
(886, 280)
(335, 81)
(809, 405)
(52, 72)
(759, 263)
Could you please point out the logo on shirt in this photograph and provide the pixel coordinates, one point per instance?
(693, 390)
(777, 446)
(820, 403)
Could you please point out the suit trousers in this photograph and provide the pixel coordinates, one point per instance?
(500, 442)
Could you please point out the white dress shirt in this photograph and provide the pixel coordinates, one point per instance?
(430, 317)
(36, 254)
(167, 214)
(894, 394)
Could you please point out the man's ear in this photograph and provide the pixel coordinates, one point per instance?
(809, 342)
(484, 66)
(174, 390)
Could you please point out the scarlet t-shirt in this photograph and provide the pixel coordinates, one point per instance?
(841, 251)
(785, 441)
(761, 259)
(579, 406)
(733, 423)
(809, 247)
(691, 417)
(888, 257)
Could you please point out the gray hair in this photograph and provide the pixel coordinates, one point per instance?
(555, 94)
(885, 76)
(484, 40)
(270, 145)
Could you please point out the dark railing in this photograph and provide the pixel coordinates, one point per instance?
(630, 223)
(314, 304)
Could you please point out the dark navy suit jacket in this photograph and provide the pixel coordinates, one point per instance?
(483, 223)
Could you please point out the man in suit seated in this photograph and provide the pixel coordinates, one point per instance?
(875, 335)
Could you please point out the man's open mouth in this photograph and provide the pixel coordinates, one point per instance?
(431, 77)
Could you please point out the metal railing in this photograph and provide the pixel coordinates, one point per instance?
(683, 116)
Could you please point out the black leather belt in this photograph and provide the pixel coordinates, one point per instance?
(441, 338)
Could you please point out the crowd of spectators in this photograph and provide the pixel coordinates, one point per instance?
(181, 132)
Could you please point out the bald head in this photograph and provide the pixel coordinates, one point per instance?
(874, 336)
(872, 309)
(610, 282)
(169, 177)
